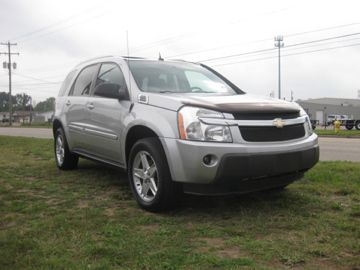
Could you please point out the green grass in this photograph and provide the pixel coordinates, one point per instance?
(87, 219)
(342, 133)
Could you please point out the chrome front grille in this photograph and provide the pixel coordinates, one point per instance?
(265, 115)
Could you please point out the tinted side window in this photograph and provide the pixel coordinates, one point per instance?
(111, 74)
(83, 82)
(65, 85)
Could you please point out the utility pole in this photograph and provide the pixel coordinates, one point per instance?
(9, 66)
(30, 119)
(279, 44)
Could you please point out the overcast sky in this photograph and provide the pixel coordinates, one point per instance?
(53, 36)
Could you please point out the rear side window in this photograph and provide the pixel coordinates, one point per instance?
(83, 82)
(111, 74)
(65, 85)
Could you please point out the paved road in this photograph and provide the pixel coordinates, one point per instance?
(45, 133)
(330, 148)
(339, 149)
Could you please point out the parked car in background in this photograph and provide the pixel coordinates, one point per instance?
(178, 127)
(331, 118)
(345, 120)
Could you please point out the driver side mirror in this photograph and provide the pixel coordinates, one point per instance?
(110, 90)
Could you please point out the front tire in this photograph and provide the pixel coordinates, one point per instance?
(65, 160)
(150, 178)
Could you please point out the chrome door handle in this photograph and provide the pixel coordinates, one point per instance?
(68, 103)
(90, 106)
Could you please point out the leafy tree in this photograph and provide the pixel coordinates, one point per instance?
(45, 106)
(4, 101)
(23, 102)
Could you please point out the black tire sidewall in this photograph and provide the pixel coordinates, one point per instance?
(70, 160)
(59, 132)
(154, 148)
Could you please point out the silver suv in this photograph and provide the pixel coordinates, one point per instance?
(178, 127)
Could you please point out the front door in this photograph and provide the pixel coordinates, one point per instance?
(107, 115)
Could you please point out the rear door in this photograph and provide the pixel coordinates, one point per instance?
(107, 115)
(77, 114)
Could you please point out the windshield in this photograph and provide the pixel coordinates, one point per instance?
(175, 77)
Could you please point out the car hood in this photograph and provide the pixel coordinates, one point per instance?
(224, 103)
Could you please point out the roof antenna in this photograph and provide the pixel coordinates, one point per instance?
(160, 58)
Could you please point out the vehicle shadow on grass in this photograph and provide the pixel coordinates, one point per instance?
(266, 201)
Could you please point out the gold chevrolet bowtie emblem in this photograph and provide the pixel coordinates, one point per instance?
(278, 122)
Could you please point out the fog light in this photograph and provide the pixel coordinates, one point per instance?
(210, 160)
(207, 160)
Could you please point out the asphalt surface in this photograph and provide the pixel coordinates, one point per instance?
(45, 133)
(339, 149)
(330, 148)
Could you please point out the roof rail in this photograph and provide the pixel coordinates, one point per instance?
(133, 57)
(95, 58)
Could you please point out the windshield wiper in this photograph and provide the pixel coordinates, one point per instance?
(167, 91)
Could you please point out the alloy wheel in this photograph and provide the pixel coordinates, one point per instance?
(145, 176)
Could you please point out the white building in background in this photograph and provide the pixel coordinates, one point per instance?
(320, 108)
(43, 117)
(27, 116)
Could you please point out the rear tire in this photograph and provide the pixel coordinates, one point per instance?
(150, 178)
(65, 160)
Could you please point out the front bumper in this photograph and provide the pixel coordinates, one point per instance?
(238, 162)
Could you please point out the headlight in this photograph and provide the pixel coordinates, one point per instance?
(308, 126)
(191, 128)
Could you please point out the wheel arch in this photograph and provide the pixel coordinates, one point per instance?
(134, 134)
(56, 124)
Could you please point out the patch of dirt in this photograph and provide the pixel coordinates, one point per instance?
(53, 202)
(323, 263)
(213, 242)
(232, 253)
(29, 178)
(83, 204)
(6, 225)
(110, 211)
(27, 191)
(150, 227)
(221, 249)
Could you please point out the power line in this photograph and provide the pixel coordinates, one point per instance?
(236, 55)
(49, 26)
(285, 55)
(63, 28)
(272, 49)
(292, 48)
(34, 84)
(322, 29)
(268, 39)
(45, 78)
(324, 39)
(176, 37)
(34, 78)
